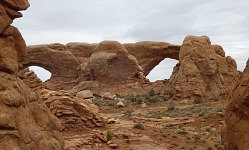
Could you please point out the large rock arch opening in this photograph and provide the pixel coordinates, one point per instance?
(41, 73)
(163, 70)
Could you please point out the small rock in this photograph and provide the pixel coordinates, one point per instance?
(222, 122)
(108, 95)
(120, 104)
(114, 146)
(213, 129)
(112, 120)
(144, 105)
(85, 94)
(126, 136)
(109, 142)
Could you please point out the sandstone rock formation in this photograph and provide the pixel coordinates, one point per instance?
(58, 58)
(150, 54)
(202, 71)
(74, 112)
(55, 58)
(111, 68)
(25, 121)
(235, 133)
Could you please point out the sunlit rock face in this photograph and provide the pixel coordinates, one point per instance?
(235, 132)
(202, 71)
(25, 121)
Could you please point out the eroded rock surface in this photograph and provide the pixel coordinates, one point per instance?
(25, 121)
(150, 54)
(75, 113)
(202, 71)
(111, 68)
(55, 58)
(77, 59)
(235, 133)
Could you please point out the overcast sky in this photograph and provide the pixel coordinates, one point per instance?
(226, 22)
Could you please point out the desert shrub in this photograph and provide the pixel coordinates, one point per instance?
(197, 100)
(209, 148)
(165, 98)
(181, 130)
(138, 125)
(109, 135)
(171, 105)
(152, 92)
(128, 113)
(104, 123)
(153, 100)
(135, 99)
(154, 114)
(97, 101)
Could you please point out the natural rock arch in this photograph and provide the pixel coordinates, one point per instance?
(163, 70)
(41, 73)
(150, 54)
(55, 58)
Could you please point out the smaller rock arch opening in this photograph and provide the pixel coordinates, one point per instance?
(163, 70)
(41, 73)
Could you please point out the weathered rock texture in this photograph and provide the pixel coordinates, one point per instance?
(150, 54)
(112, 68)
(203, 71)
(25, 121)
(235, 132)
(70, 63)
(55, 58)
(74, 112)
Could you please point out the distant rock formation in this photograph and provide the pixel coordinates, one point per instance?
(202, 71)
(235, 132)
(25, 121)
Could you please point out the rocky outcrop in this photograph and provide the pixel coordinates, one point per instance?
(74, 112)
(25, 121)
(150, 54)
(70, 61)
(235, 132)
(111, 68)
(55, 58)
(202, 71)
(82, 51)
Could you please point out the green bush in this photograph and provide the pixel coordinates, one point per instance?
(128, 113)
(135, 99)
(109, 135)
(153, 100)
(152, 92)
(138, 125)
(182, 131)
(97, 101)
(171, 105)
(197, 100)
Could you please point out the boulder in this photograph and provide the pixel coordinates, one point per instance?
(85, 94)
